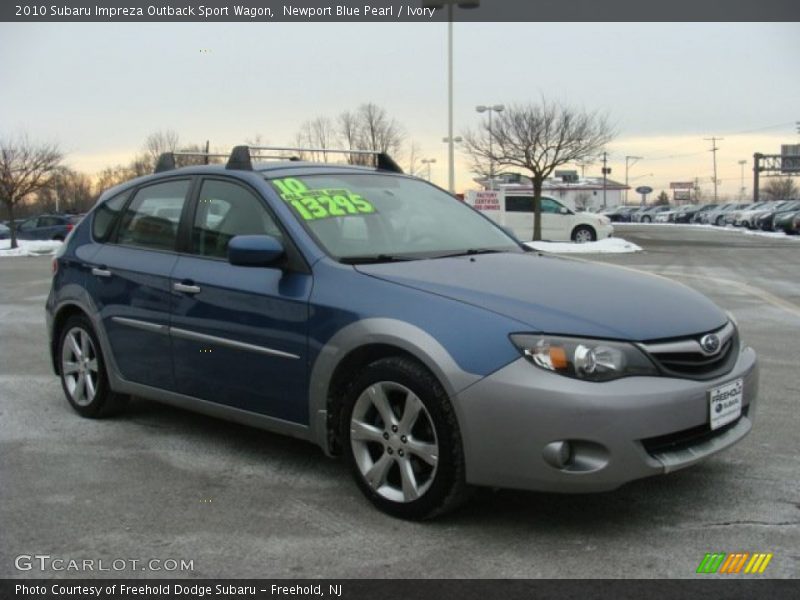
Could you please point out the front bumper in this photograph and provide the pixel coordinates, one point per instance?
(510, 417)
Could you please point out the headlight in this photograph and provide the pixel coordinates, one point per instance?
(586, 359)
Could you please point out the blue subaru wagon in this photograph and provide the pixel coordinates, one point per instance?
(380, 318)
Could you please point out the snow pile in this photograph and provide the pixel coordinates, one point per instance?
(606, 246)
(30, 248)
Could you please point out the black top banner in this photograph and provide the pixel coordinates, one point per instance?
(401, 10)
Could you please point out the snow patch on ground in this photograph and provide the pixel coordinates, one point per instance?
(29, 248)
(728, 228)
(606, 246)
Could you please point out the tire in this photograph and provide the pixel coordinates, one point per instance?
(83, 371)
(409, 462)
(583, 233)
(646, 219)
(718, 222)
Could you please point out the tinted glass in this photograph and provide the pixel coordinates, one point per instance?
(371, 215)
(106, 216)
(225, 210)
(151, 219)
(525, 204)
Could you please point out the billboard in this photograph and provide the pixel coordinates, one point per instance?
(681, 185)
(790, 158)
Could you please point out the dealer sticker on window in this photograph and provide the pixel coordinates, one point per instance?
(323, 203)
(725, 403)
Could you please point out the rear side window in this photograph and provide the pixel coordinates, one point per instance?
(225, 210)
(151, 219)
(106, 216)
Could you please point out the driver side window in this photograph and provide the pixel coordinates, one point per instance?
(550, 206)
(225, 210)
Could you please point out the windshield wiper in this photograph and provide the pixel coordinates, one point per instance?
(471, 252)
(373, 259)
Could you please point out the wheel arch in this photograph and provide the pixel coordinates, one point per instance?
(360, 344)
(61, 316)
(583, 226)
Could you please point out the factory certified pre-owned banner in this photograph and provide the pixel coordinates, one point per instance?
(399, 10)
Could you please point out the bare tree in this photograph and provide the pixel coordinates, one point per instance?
(377, 131)
(539, 138)
(159, 142)
(26, 168)
(69, 191)
(317, 133)
(414, 152)
(582, 201)
(369, 127)
(781, 188)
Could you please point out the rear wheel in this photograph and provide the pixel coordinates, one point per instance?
(402, 440)
(83, 371)
(583, 234)
(646, 219)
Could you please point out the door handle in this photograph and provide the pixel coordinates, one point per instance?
(186, 288)
(101, 272)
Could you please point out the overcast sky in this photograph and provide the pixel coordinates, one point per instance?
(99, 89)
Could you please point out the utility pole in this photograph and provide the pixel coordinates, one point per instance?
(606, 171)
(629, 162)
(713, 150)
(208, 145)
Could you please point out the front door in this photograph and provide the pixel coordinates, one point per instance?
(239, 334)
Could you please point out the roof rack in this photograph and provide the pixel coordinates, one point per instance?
(241, 157)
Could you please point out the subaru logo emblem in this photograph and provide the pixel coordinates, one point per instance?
(710, 343)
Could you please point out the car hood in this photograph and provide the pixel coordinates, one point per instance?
(561, 296)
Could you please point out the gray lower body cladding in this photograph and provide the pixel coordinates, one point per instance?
(617, 431)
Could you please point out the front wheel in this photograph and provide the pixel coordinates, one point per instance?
(402, 440)
(83, 371)
(583, 234)
(646, 219)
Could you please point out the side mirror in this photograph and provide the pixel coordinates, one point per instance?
(563, 210)
(254, 250)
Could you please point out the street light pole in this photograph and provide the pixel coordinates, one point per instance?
(629, 164)
(428, 162)
(490, 109)
(451, 151)
(742, 163)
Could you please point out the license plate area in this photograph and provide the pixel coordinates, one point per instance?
(725, 403)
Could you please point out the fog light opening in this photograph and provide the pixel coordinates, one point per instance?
(558, 454)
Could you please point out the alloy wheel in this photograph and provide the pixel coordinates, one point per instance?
(79, 366)
(394, 442)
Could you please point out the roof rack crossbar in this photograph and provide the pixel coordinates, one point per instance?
(384, 162)
(241, 157)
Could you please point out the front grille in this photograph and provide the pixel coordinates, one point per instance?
(685, 357)
(682, 440)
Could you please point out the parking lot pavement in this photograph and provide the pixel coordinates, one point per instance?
(160, 483)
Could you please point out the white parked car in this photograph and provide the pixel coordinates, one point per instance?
(559, 223)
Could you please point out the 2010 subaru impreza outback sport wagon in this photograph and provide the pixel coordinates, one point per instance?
(379, 317)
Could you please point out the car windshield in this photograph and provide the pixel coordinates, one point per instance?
(378, 218)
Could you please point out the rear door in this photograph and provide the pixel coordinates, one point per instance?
(130, 283)
(239, 334)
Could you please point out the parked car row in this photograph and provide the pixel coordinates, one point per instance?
(42, 227)
(772, 215)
